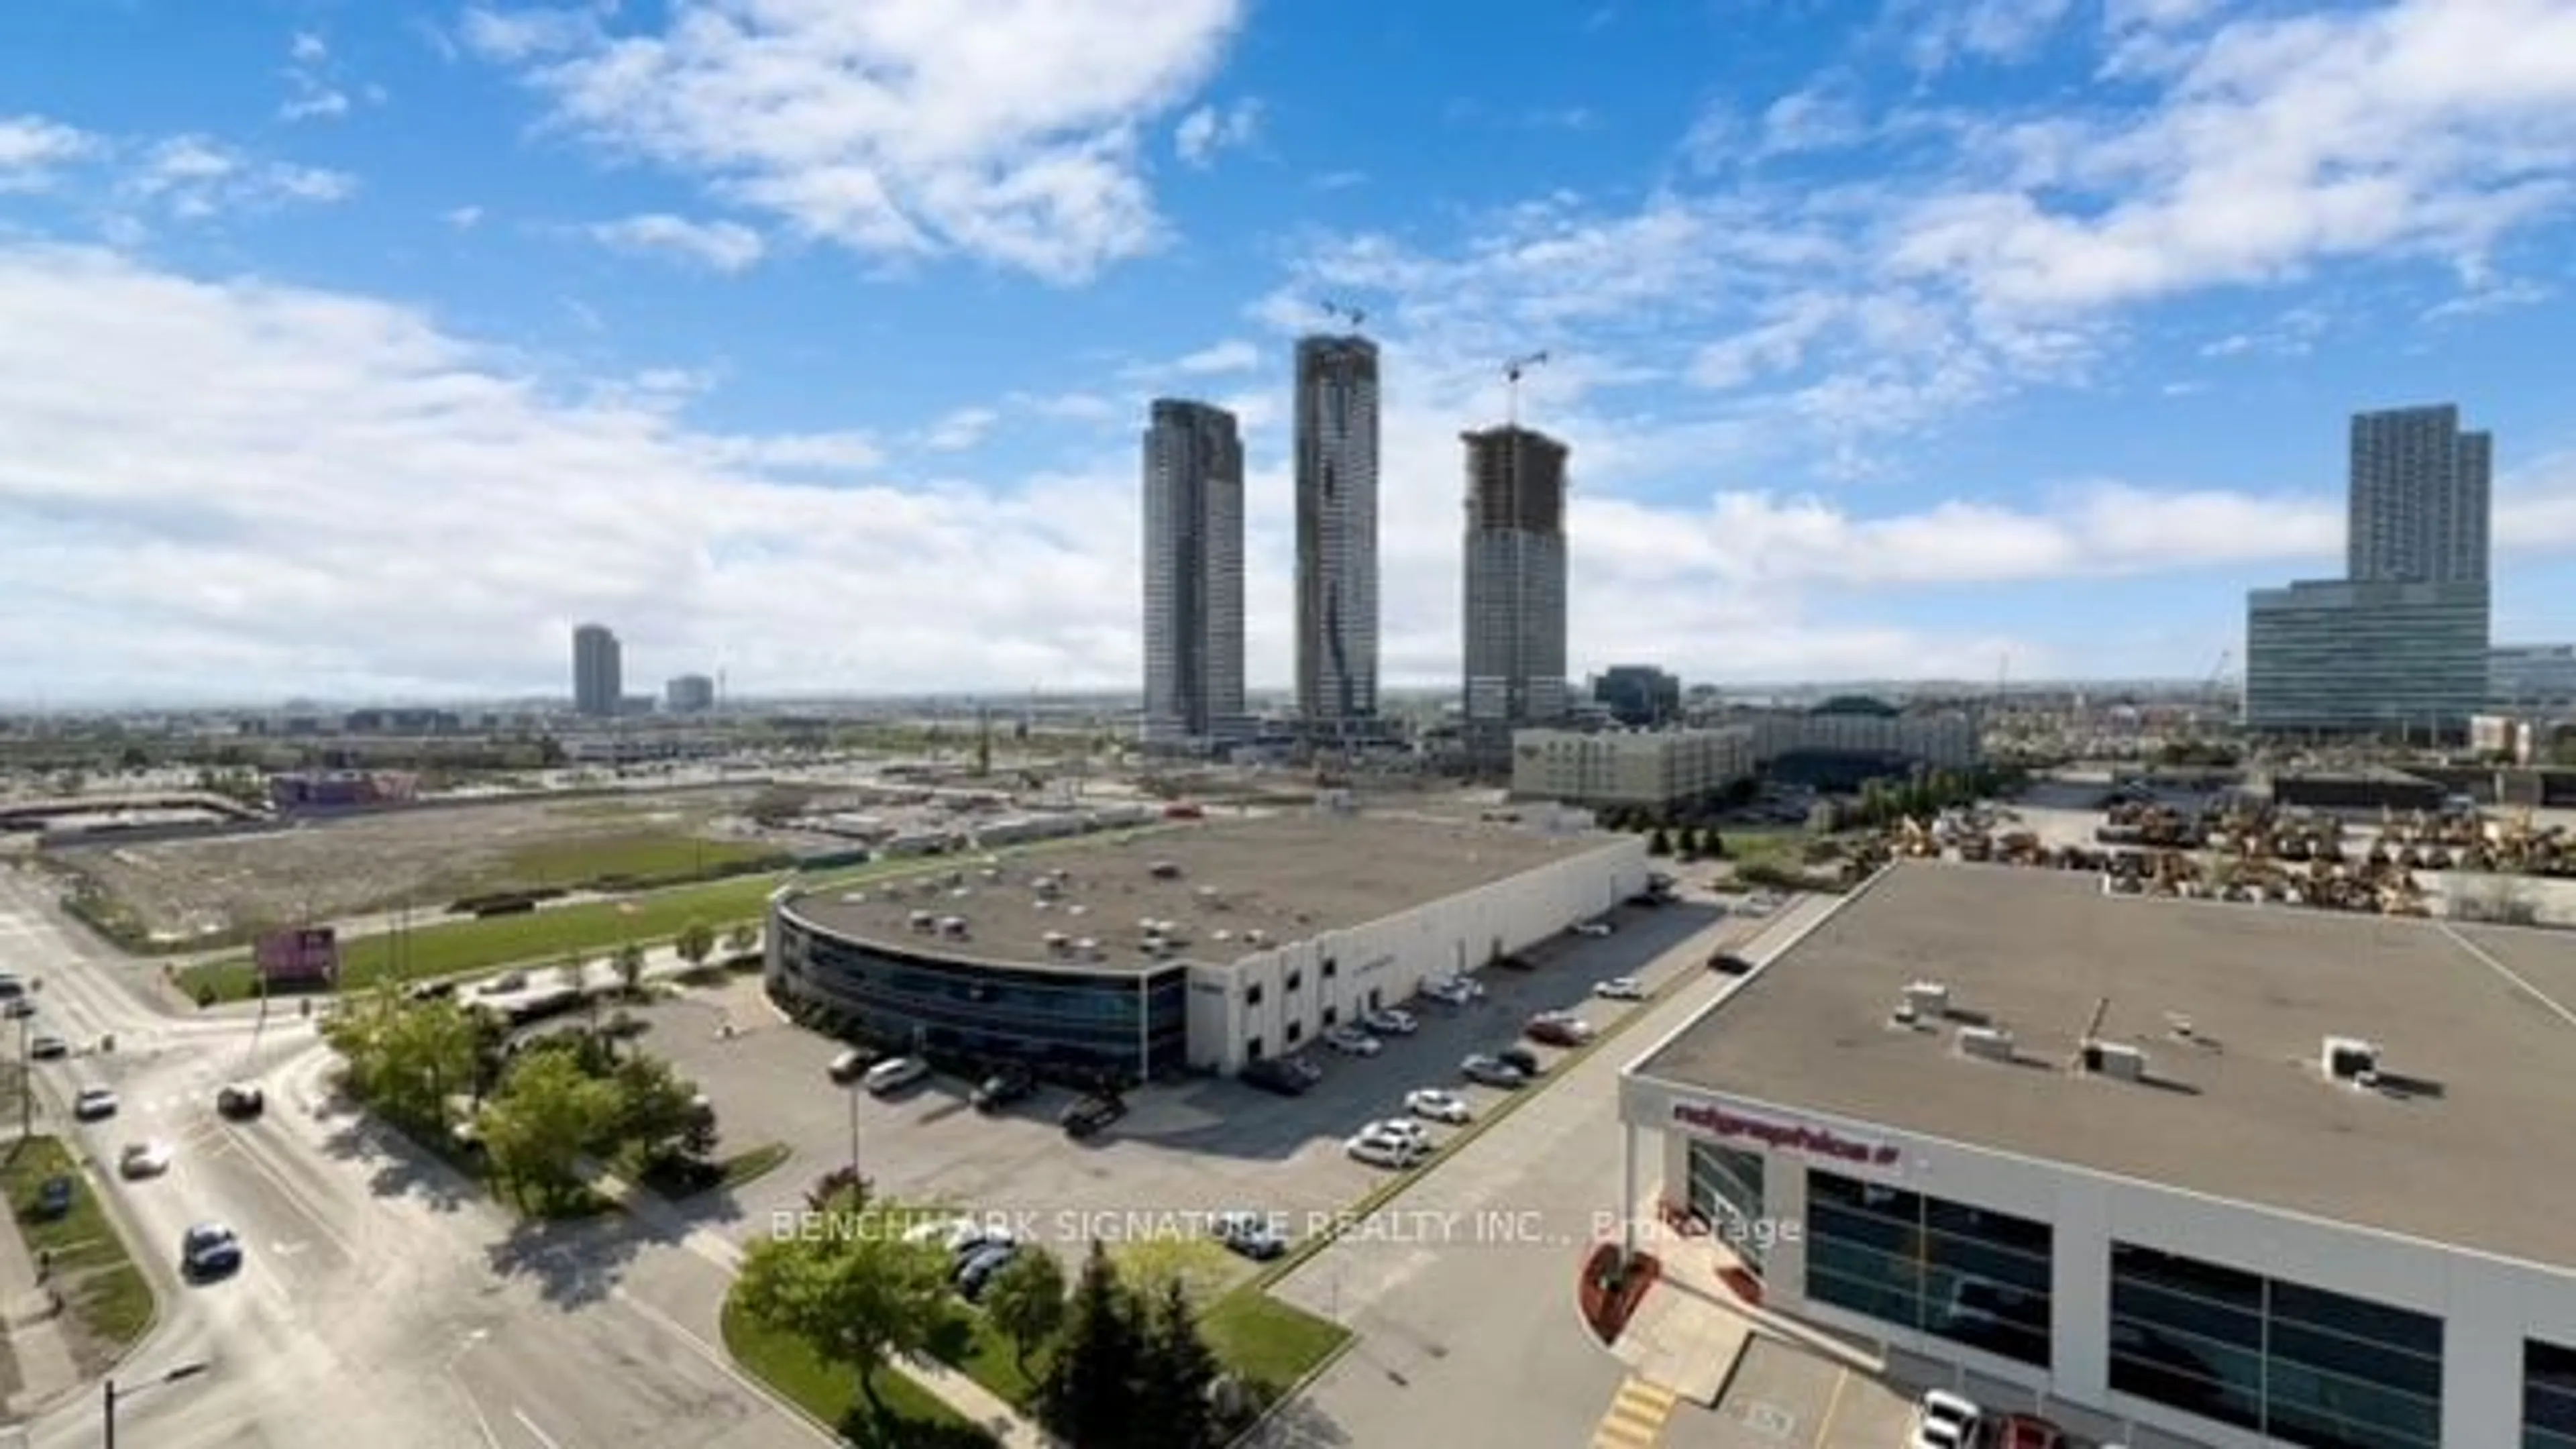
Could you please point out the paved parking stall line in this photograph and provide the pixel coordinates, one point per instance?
(1833, 1407)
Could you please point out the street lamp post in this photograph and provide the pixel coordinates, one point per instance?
(852, 1092)
(110, 1395)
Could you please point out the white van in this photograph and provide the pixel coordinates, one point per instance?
(889, 1076)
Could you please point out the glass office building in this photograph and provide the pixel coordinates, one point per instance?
(1726, 1193)
(2336, 657)
(1970, 1275)
(2548, 1396)
(1066, 1021)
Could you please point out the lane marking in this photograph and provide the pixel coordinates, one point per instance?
(540, 1435)
(724, 1365)
(1833, 1406)
(294, 1196)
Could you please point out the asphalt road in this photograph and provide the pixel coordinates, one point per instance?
(381, 1302)
(1464, 1297)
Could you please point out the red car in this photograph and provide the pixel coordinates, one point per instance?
(2026, 1431)
(1549, 1032)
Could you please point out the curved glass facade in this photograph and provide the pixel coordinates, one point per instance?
(2299, 1364)
(1130, 1022)
(1970, 1275)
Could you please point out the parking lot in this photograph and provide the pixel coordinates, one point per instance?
(1784, 1397)
(1197, 1147)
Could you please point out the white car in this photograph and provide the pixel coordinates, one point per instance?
(894, 1076)
(1402, 1127)
(94, 1103)
(1944, 1420)
(1435, 1105)
(143, 1159)
(1620, 988)
(1458, 989)
(1594, 929)
(1391, 1022)
(1350, 1041)
(1383, 1151)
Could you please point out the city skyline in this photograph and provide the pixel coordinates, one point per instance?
(1893, 348)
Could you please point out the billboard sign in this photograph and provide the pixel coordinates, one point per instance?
(299, 956)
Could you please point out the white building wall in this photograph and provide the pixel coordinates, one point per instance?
(1394, 956)
(2489, 1305)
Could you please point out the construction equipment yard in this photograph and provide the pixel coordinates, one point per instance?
(213, 887)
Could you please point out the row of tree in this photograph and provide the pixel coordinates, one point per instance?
(1116, 1366)
(539, 1112)
(1690, 842)
(696, 942)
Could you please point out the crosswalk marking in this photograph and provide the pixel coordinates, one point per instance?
(1635, 1419)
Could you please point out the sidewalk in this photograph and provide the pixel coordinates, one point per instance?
(980, 1405)
(36, 1347)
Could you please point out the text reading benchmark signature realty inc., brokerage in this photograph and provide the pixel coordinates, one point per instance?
(1422, 1227)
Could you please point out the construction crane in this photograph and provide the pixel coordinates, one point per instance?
(1512, 373)
(2216, 687)
(1344, 312)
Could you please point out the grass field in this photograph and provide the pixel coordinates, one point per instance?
(102, 1288)
(830, 1392)
(1272, 1345)
(452, 947)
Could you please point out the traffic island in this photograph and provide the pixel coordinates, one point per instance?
(85, 1271)
(1613, 1285)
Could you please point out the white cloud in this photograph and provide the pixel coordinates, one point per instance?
(311, 92)
(194, 178)
(463, 218)
(1209, 130)
(308, 49)
(31, 147)
(1823, 116)
(1943, 32)
(960, 431)
(1231, 355)
(723, 246)
(886, 126)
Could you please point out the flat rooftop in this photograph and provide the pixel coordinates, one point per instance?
(2467, 1146)
(1289, 877)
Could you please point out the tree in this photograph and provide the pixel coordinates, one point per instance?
(657, 1110)
(405, 1057)
(1088, 1396)
(743, 939)
(573, 970)
(1026, 1302)
(548, 1116)
(855, 1298)
(1659, 843)
(696, 943)
(1178, 1367)
(629, 961)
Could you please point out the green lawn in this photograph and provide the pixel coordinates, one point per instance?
(105, 1290)
(734, 1171)
(1271, 1344)
(594, 927)
(916, 1419)
(971, 1345)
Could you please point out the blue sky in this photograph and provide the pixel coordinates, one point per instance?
(362, 349)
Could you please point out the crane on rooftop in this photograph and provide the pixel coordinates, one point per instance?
(1344, 312)
(1512, 374)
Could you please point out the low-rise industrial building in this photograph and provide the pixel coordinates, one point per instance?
(1852, 733)
(1200, 946)
(1655, 770)
(2241, 1175)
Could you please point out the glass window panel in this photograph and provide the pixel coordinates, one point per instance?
(1871, 1297)
(2002, 1265)
(2007, 1340)
(2187, 1275)
(2163, 1382)
(2549, 1408)
(2312, 1428)
(2353, 1359)
(2356, 1317)
(1986, 1225)
(2549, 1364)
(2157, 1308)
(2544, 1439)
(1852, 1260)
(1860, 1196)
(2309, 1391)
(1879, 1233)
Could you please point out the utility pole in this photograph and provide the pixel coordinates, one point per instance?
(110, 1395)
(26, 1080)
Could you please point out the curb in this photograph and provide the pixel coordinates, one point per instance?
(114, 1210)
(1295, 1391)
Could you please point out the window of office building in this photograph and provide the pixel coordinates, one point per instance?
(1726, 1192)
(2300, 1364)
(2548, 1396)
(1967, 1274)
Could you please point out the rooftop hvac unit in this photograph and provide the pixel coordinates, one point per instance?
(922, 920)
(1148, 925)
(2350, 1059)
(1257, 937)
(1055, 940)
(2116, 1060)
(1927, 998)
(953, 926)
(1986, 1043)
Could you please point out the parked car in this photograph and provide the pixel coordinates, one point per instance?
(1396, 1152)
(1944, 1420)
(1011, 1084)
(240, 1101)
(1595, 929)
(1391, 1022)
(2029, 1431)
(94, 1104)
(1552, 1031)
(1467, 987)
(1727, 963)
(1435, 1105)
(1522, 1060)
(1275, 1076)
(1088, 1116)
(976, 1273)
(850, 1065)
(1447, 993)
(1620, 988)
(208, 1251)
(894, 1074)
(1306, 1069)
(1250, 1234)
(143, 1159)
(48, 1048)
(1492, 1071)
(19, 1006)
(54, 1198)
(1350, 1041)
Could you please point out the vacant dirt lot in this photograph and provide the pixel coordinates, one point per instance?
(325, 870)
